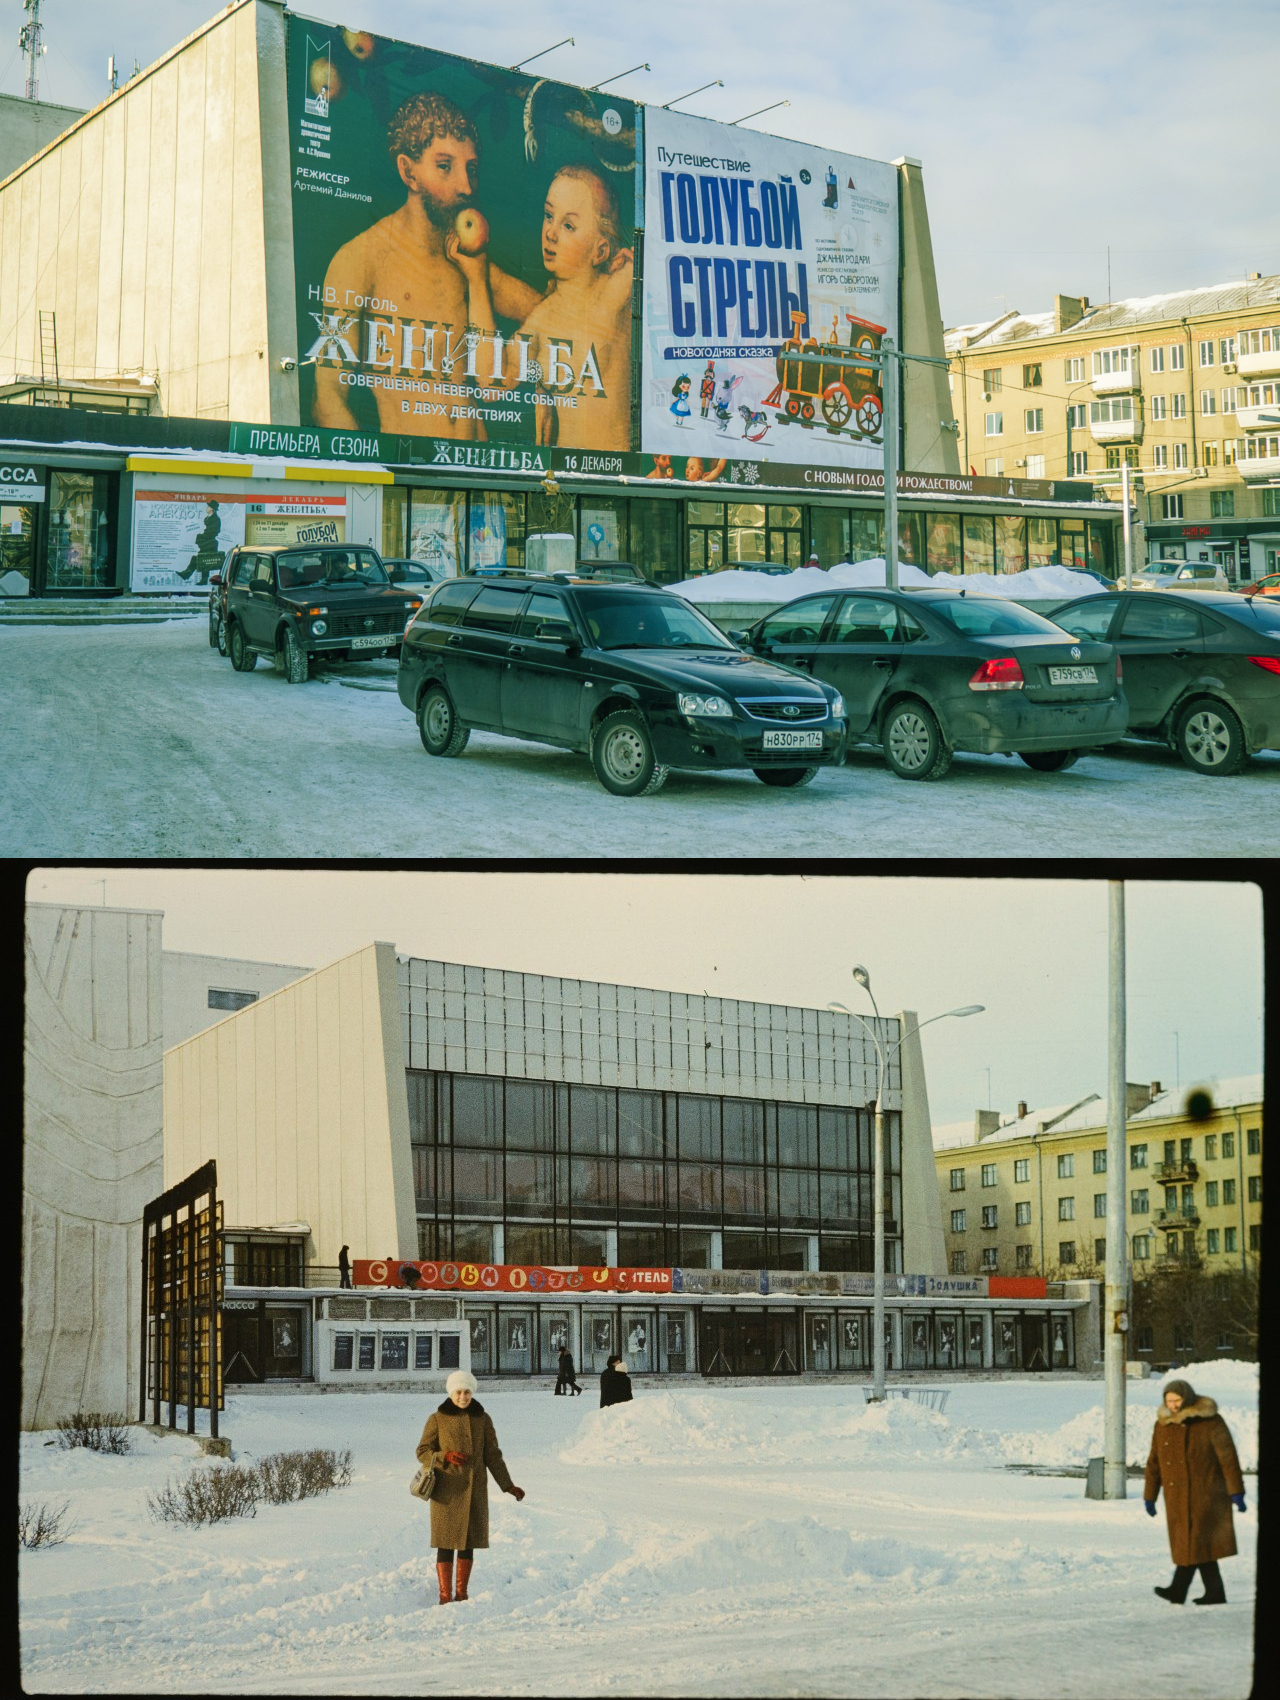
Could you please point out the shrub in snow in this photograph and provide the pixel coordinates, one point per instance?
(207, 1496)
(284, 1476)
(100, 1431)
(41, 1524)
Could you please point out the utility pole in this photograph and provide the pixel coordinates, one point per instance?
(1128, 530)
(31, 45)
(889, 424)
(1116, 1289)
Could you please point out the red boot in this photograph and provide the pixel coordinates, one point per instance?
(464, 1576)
(444, 1573)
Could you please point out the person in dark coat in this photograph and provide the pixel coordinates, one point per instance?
(459, 1442)
(1193, 1458)
(568, 1376)
(206, 557)
(615, 1383)
(344, 1267)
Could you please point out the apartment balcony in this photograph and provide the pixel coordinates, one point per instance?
(1183, 1170)
(1265, 365)
(1117, 383)
(1258, 418)
(1168, 1219)
(1116, 430)
(1263, 467)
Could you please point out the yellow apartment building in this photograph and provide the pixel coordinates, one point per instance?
(1184, 388)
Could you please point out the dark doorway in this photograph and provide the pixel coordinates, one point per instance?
(749, 1342)
(1034, 1336)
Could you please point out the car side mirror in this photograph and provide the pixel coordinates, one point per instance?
(742, 639)
(556, 634)
(215, 578)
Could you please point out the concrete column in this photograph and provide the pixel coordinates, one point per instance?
(717, 1249)
(926, 400)
(811, 1253)
(924, 1250)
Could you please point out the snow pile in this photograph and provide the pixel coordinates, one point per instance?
(740, 584)
(1081, 1438)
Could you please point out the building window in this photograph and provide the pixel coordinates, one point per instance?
(1066, 1165)
(1228, 1192)
(995, 424)
(1022, 1214)
(1137, 1156)
(1210, 1195)
(1035, 466)
(1226, 349)
(1183, 1338)
(993, 466)
(1210, 1147)
(219, 999)
(1066, 1251)
(1159, 407)
(1210, 452)
(1229, 1239)
(988, 1174)
(1099, 1251)
(1270, 501)
(1211, 1241)
(992, 378)
(1253, 1141)
(1255, 1189)
(1145, 1339)
(1177, 358)
(1031, 377)
(1208, 402)
(1034, 419)
(1066, 1210)
(957, 1263)
(1171, 507)
(1139, 1202)
(988, 1215)
(1227, 399)
(1099, 1203)
(957, 1180)
(957, 1221)
(1206, 353)
(1073, 369)
(1229, 1144)
(1179, 407)
(1021, 1169)
(1156, 359)
(1079, 463)
(1022, 1257)
(1077, 417)
(1160, 455)
(990, 1258)
(1114, 360)
(1179, 456)
(1112, 410)
(1255, 1236)
(1100, 1160)
(1141, 1247)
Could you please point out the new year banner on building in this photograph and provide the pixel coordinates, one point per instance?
(462, 245)
(770, 267)
(505, 1277)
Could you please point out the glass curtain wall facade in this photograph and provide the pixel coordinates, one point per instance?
(594, 1175)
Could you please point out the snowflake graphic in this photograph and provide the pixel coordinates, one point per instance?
(751, 473)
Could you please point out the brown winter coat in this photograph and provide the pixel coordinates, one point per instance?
(1193, 1458)
(460, 1504)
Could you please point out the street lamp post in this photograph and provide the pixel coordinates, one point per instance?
(882, 1058)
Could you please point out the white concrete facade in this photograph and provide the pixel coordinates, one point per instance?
(27, 126)
(190, 979)
(92, 1135)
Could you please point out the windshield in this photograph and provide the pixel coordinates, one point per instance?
(330, 567)
(991, 618)
(646, 621)
(1167, 568)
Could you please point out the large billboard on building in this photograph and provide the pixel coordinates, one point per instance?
(462, 245)
(769, 267)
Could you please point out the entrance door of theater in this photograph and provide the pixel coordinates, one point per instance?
(1035, 1342)
(749, 1343)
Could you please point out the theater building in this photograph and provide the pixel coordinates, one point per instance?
(682, 1179)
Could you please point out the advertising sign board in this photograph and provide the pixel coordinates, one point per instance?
(769, 266)
(462, 245)
(505, 1277)
(180, 536)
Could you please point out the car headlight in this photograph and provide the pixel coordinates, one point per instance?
(837, 707)
(319, 627)
(700, 705)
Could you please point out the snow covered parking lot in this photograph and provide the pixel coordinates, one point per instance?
(141, 741)
(766, 1540)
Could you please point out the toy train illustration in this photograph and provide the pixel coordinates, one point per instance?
(815, 375)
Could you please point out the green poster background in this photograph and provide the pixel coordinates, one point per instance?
(344, 88)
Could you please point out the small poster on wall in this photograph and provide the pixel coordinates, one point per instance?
(180, 538)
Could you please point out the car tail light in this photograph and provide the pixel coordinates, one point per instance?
(1003, 674)
(1269, 663)
(1119, 671)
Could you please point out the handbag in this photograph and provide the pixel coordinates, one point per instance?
(423, 1485)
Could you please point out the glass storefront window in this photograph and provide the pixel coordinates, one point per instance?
(699, 1120)
(973, 1341)
(476, 1180)
(1005, 1330)
(515, 1338)
(588, 1246)
(395, 522)
(746, 1251)
(602, 528)
(79, 550)
(591, 1185)
(866, 535)
(17, 541)
(818, 1345)
(638, 1329)
(477, 1110)
(699, 1185)
(640, 1185)
(797, 1134)
(1071, 533)
(591, 1111)
(473, 1242)
(673, 1341)
(655, 539)
(979, 546)
(695, 1248)
(829, 530)
(1042, 542)
(529, 1184)
(909, 528)
(916, 1331)
(642, 1248)
(1101, 554)
(482, 1336)
(944, 543)
(743, 1131)
(639, 1124)
(529, 1243)
(1011, 543)
(947, 1335)
(853, 1340)
(497, 529)
(530, 1118)
(436, 528)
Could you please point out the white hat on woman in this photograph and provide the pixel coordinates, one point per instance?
(461, 1381)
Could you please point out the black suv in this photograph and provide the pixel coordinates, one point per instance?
(630, 674)
(291, 603)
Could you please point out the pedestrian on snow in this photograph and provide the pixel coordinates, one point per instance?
(1193, 1458)
(813, 560)
(568, 1377)
(344, 1267)
(615, 1383)
(460, 1444)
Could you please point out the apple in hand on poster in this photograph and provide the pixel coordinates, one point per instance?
(472, 229)
(324, 75)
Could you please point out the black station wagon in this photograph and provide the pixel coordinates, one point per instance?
(629, 674)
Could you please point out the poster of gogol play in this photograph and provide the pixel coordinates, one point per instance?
(462, 245)
(770, 266)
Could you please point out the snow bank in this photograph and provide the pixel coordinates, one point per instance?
(739, 584)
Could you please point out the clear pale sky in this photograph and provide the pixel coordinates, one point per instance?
(1033, 951)
(1047, 132)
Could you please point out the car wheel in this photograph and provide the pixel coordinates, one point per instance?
(295, 658)
(1050, 761)
(213, 632)
(792, 777)
(222, 636)
(622, 756)
(242, 657)
(913, 743)
(442, 733)
(1209, 738)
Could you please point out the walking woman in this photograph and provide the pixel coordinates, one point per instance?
(1193, 1458)
(459, 1442)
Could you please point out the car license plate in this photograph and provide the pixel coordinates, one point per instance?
(789, 740)
(1073, 675)
(380, 642)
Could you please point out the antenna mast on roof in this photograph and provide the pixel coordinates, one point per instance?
(31, 45)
